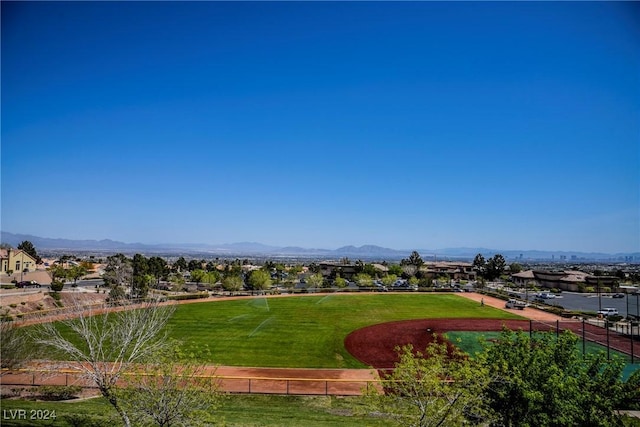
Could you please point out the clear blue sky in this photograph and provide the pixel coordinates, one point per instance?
(406, 125)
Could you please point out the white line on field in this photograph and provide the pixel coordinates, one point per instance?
(264, 322)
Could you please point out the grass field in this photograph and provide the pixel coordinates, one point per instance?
(234, 411)
(305, 332)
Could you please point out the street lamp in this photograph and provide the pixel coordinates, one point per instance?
(21, 264)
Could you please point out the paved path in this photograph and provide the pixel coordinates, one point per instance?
(529, 312)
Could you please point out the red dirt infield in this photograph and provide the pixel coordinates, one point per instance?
(375, 345)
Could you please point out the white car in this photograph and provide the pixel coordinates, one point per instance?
(547, 295)
(608, 312)
(514, 303)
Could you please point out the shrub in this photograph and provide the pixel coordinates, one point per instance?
(84, 420)
(13, 305)
(59, 392)
(182, 297)
(23, 302)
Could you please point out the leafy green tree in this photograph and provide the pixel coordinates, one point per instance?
(395, 269)
(140, 265)
(198, 275)
(76, 272)
(232, 283)
(315, 280)
(260, 280)
(196, 265)
(28, 248)
(339, 282)
(177, 279)
(515, 268)
(141, 285)
(440, 387)
(158, 268)
(495, 267)
(118, 271)
(480, 265)
(211, 277)
(545, 380)
(370, 270)
(141, 278)
(415, 259)
(180, 264)
(314, 267)
(58, 277)
(389, 279)
(363, 280)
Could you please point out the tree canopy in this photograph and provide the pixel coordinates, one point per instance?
(542, 380)
(28, 248)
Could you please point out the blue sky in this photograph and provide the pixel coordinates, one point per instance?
(405, 125)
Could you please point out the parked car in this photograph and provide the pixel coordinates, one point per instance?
(618, 295)
(28, 284)
(608, 311)
(546, 295)
(514, 303)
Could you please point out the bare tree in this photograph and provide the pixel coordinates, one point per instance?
(15, 348)
(103, 347)
(174, 390)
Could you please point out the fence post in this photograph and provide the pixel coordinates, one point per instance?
(583, 339)
(631, 338)
(606, 325)
(249, 385)
(557, 328)
(530, 328)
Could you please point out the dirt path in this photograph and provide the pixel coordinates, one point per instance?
(230, 379)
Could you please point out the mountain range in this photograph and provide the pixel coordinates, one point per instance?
(253, 248)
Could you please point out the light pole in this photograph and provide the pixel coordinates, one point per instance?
(21, 264)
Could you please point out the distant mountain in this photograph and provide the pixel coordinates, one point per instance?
(370, 250)
(254, 248)
(49, 243)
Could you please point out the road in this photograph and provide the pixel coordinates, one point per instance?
(630, 304)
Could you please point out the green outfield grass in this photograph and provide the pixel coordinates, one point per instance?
(305, 331)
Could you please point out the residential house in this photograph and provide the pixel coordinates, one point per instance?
(16, 260)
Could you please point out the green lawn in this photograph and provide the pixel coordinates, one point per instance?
(234, 411)
(305, 331)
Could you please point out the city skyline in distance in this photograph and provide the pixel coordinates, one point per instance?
(369, 252)
(324, 124)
